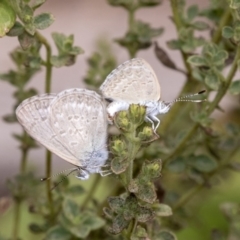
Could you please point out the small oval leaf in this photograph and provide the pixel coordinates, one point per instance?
(234, 88)
(227, 32)
(58, 233)
(43, 20)
(197, 61)
(203, 163)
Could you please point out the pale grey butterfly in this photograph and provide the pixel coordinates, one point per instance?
(135, 82)
(72, 124)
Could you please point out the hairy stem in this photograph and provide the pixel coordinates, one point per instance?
(16, 220)
(48, 77)
(223, 22)
(178, 23)
(92, 190)
(18, 201)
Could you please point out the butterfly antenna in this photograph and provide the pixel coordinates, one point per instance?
(187, 98)
(54, 175)
(63, 178)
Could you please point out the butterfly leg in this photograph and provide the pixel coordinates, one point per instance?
(105, 173)
(154, 118)
(148, 119)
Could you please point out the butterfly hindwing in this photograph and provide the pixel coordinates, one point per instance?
(78, 117)
(34, 116)
(133, 81)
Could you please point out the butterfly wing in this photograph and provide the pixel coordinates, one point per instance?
(133, 81)
(78, 117)
(33, 114)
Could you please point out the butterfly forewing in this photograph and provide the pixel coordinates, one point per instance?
(34, 116)
(133, 81)
(78, 117)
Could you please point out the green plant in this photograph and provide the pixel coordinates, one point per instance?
(193, 152)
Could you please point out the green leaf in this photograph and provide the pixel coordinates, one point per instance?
(116, 203)
(235, 87)
(197, 61)
(87, 222)
(163, 57)
(108, 213)
(201, 118)
(177, 165)
(36, 228)
(57, 233)
(200, 25)
(140, 234)
(43, 20)
(7, 18)
(195, 175)
(30, 28)
(71, 210)
(92, 221)
(212, 81)
(236, 35)
(192, 12)
(234, 4)
(203, 163)
(210, 48)
(16, 30)
(128, 4)
(233, 129)
(220, 57)
(165, 235)
(139, 37)
(37, 3)
(75, 190)
(227, 32)
(144, 214)
(26, 40)
(149, 3)
(162, 210)
(118, 224)
(26, 14)
(174, 44)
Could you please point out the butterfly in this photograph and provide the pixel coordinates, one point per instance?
(135, 82)
(72, 124)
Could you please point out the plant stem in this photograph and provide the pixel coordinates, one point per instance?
(16, 220)
(91, 191)
(18, 201)
(133, 147)
(223, 22)
(179, 25)
(48, 77)
(131, 22)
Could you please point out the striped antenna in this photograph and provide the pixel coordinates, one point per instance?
(63, 178)
(187, 98)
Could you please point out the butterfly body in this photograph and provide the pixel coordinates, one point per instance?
(71, 124)
(153, 108)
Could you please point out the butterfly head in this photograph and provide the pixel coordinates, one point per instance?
(163, 107)
(82, 174)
